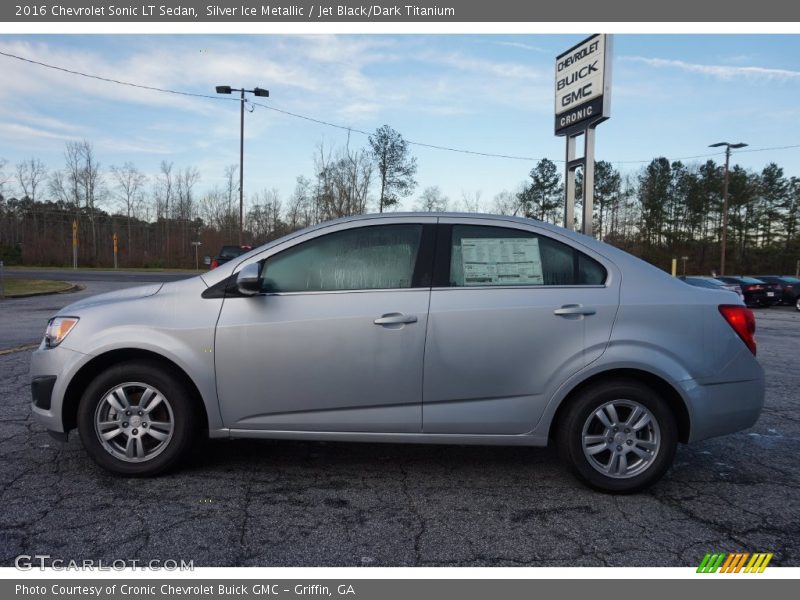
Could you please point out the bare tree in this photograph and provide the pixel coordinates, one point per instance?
(165, 185)
(506, 203)
(90, 183)
(30, 175)
(301, 210)
(432, 200)
(343, 183)
(185, 205)
(264, 218)
(231, 189)
(471, 201)
(3, 176)
(213, 208)
(80, 184)
(130, 183)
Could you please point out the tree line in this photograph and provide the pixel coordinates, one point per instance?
(665, 210)
(674, 210)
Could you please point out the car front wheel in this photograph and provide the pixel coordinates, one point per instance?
(618, 436)
(136, 419)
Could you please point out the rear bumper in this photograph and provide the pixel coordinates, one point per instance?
(723, 408)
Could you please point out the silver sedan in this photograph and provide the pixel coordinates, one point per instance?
(423, 328)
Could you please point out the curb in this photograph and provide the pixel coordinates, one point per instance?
(76, 287)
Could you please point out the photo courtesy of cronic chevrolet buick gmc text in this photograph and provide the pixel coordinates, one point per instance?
(430, 328)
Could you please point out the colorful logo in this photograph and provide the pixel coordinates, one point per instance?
(735, 562)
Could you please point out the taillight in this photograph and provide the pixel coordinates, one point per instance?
(741, 319)
(214, 263)
(752, 288)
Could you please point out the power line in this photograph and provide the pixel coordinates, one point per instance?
(110, 80)
(352, 129)
(411, 142)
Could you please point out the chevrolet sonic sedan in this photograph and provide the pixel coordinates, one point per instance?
(420, 328)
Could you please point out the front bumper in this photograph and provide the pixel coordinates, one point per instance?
(51, 371)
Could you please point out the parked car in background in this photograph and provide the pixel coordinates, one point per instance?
(756, 292)
(227, 253)
(787, 288)
(714, 284)
(408, 328)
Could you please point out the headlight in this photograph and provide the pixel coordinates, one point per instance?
(57, 329)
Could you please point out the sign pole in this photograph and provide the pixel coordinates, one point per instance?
(74, 244)
(196, 245)
(114, 237)
(588, 180)
(569, 187)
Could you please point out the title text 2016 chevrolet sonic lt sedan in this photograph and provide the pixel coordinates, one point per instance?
(433, 328)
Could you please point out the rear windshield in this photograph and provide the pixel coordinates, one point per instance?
(705, 282)
(231, 251)
(750, 280)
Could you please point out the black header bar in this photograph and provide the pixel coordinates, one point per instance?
(418, 11)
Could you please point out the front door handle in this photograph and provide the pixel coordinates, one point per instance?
(574, 309)
(395, 319)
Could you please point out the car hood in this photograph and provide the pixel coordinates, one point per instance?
(132, 293)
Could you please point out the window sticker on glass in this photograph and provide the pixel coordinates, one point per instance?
(501, 261)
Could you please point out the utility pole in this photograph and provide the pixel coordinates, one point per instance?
(723, 248)
(226, 89)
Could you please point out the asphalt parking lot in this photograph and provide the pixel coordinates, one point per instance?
(242, 503)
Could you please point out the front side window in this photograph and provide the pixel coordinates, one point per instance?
(364, 258)
(497, 256)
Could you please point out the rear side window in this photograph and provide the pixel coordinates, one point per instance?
(498, 256)
(364, 258)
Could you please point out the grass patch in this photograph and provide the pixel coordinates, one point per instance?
(13, 286)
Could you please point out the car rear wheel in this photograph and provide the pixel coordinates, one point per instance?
(136, 419)
(797, 303)
(618, 436)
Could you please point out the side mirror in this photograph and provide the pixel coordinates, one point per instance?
(248, 281)
(206, 260)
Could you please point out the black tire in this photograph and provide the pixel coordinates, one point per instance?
(797, 304)
(570, 429)
(177, 401)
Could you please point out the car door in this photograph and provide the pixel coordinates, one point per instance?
(335, 341)
(514, 312)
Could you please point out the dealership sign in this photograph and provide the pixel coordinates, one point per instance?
(583, 85)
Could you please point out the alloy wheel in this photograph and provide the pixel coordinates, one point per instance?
(134, 422)
(621, 439)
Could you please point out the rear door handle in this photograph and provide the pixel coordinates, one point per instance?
(395, 319)
(574, 309)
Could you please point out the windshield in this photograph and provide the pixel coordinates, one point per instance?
(231, 251)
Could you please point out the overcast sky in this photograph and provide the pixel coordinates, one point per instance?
(672, 96)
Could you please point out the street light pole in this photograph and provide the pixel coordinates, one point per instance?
(257, 91)
(241, 167)
(723, 248)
